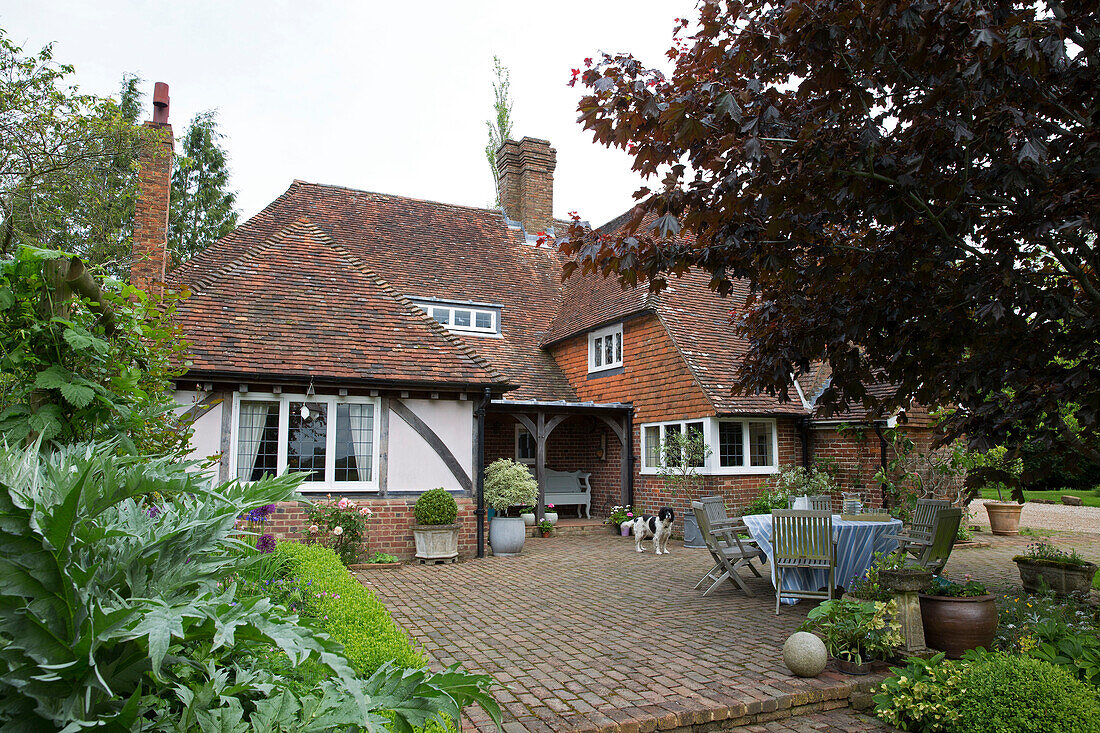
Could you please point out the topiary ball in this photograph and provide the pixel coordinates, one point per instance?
(804, 654)
(436, 506)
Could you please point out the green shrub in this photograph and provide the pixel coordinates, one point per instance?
(1003, 692)
(509, 484)
(347, 610)
(436, 506)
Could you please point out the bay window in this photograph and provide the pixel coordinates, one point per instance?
(329, 439)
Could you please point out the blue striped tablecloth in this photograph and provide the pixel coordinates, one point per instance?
(856, 544)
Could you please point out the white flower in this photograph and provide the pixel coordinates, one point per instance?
(313, 528)
(338, 530)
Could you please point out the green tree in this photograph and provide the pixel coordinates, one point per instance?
(908, 188)
(201, 210)
(67, 177)
(500, 127)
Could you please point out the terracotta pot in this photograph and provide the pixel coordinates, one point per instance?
(954, 625)
(1038, 575)
(1004, 517)
(546, 532)
(905, 581)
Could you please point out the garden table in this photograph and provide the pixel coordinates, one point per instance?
(856, 542)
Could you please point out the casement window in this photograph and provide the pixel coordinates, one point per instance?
(736, 446)
(526, 448)
(466, 317)
(605, 348)
(333, 440)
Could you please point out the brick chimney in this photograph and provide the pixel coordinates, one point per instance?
(150, 259)
(525, 175)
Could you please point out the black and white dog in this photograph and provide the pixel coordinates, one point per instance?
(658, 528)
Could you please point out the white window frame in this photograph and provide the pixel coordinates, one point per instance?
(494, 317)
(712, 465)
(330, 484)
(521, 430)
(599, 335)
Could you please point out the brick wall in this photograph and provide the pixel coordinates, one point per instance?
(389, 529)
(150, 248)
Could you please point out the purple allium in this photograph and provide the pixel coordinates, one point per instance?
(255, 516)
(266, 543)
(267, 509)
(153, 511)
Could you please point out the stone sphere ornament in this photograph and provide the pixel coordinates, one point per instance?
(804, 654)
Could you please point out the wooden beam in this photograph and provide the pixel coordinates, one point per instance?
(430, 437)
(384, 446)
(619, 430)
(627, 446)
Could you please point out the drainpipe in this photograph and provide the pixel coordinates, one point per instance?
(804, 432)
(480, 512)
(629, 447)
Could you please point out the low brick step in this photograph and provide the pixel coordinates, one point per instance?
(574, 528)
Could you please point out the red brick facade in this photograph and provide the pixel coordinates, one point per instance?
(150, 259)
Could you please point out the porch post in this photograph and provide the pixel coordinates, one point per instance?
(540, 463)
(626, 448)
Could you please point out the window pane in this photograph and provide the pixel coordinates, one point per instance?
(525, 447)
(760, 444)
(697, 456)
(731, 449)
(462, 318)
(597, 352)
(652, 446)
(354, 442)
(257, 440)
(306, 439)
(483, 319)
(443, 315)
(673, 456)
(618, 347)
(609, 350)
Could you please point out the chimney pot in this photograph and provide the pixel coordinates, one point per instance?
(160, 103)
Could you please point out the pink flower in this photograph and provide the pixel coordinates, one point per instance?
(343, 503)
(630, 514)
(313, 528)
(364, 511)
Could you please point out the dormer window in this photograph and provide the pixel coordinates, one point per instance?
(476, 318)
(605, 348)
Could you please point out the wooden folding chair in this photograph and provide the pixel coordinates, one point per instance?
(802, 540)
(729, 551)
(934, 555)
(915, 538)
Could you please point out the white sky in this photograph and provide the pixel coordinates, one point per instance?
(381, 96)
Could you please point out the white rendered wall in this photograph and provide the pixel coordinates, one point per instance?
(206, 438)
(413, 464)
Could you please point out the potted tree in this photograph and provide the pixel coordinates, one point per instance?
(1004, 516)
(1044, 567)
(684, 452)
(958, 616)
(436, 531)
(508, 484)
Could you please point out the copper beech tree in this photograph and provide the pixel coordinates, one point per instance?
(909, 188)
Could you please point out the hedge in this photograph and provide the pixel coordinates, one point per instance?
(348, 611)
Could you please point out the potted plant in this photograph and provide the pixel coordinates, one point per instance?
(528, 515)
(1045, 567)
(683, 453)
(508, 484)
(958, 616)
(1004, 516)
(621, 516)
(855, 632)
(546, 527)
(436, 531)
(550, 514)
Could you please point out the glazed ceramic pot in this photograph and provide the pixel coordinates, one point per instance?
(551, 517)
(528, 518)
(506, 535)
(954, 625)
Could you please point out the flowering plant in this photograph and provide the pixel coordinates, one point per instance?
(546, 527)
(550, 508)
(252, 522)
(1048, 553)
(856, 631)
(942, 586)
(341, 525)
(620, 514)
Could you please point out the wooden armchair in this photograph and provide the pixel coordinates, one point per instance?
(918, 535)
(729, 551)
(933, 555)
(802, 540)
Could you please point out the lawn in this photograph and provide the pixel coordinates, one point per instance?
(1090, 497)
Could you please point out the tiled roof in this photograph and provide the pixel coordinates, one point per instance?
(422, 249)
(298, 304)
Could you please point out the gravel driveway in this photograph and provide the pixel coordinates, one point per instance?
(1048, 516)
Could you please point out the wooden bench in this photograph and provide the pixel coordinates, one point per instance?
(568, 487)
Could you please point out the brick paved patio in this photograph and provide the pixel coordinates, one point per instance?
(586, 634)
